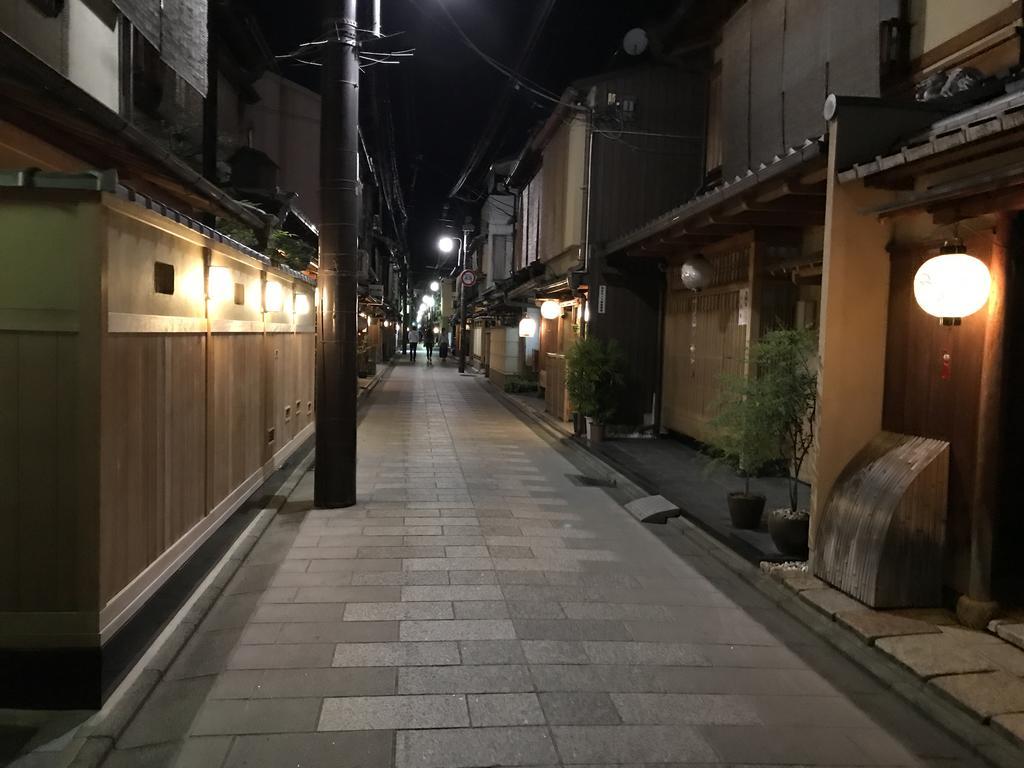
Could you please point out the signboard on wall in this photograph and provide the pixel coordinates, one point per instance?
(602, 299)
(743, 315)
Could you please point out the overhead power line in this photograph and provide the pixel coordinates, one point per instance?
(498, 113)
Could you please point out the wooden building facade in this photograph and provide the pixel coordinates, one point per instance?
(152, 376)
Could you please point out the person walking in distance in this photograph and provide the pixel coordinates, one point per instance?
(428, 342)
(414, 339)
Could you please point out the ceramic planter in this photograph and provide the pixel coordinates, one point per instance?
(745, 510)
(789, 532)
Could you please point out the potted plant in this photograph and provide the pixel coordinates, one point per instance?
(787, 379)
(594, 380)
(742, 437)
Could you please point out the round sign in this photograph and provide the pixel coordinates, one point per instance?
(468, 278)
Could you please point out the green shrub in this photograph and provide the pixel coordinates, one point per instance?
(769, 416)
(595, 378)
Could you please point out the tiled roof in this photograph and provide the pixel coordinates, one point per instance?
(973, 125)
(793, 158)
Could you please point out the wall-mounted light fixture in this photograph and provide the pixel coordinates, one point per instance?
(435, 286)
(550, 310)
(273, 297)
(301, 304)
(527, 328)
(220, 285)
(953, 284)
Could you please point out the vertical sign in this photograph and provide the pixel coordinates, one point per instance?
(743, 316)
(602, 299)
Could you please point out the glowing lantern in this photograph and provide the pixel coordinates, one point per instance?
(550, 310)
(952, 285)
(527, 328)
(221, 286)
(301, 304)
(273, 297)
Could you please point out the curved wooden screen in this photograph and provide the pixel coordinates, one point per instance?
(882, 535)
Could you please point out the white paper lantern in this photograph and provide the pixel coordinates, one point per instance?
(696, 273)
(550, 310)
(527, 328)
(952, 285)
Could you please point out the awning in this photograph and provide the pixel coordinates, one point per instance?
(966, 197)
(977, 131)
(789, 191)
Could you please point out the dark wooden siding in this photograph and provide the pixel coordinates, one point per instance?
(780, 60)
(736, 93)
(631, 318)
(918, 401)
(636, 177)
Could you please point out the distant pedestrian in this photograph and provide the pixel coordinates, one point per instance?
(428, 342)
(442, 348)
(414, 339)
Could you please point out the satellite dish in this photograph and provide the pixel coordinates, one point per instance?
(635, 41)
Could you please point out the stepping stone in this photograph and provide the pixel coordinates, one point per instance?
(872, 625)
(653, 509)
(831, 601)
(1011, 725)
(932, 655)
(985, 695)
(1011, 633)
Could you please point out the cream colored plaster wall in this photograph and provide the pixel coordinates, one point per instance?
(936, 21)
(854, 308)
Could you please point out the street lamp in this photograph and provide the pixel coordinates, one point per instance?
(435, 286)
(448, 244)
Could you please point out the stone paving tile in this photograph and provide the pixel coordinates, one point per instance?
(622, 743)
(570, 629)
(491, 629)
(492, 652)
(281, 656)
(395, 654)
(353, 566)
(474, 747)
(225, 716)
(579, 708)
(685, 709)
(301, 683)
(986, 694)
(932, 655)
(452, 593)
(397, 611)
(505, 709)
(465, 679)
(337, 750)
(357, 713)
(483, 611)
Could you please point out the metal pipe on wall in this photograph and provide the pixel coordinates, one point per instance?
(336, 370)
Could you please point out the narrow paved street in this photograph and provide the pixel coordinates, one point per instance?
(478, 608)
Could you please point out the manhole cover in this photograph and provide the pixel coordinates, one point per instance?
(591, 482)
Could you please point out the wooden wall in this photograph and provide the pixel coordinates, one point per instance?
(637, 177)
(780, 61)
(919, 401)
(133, 422)
(704, 339)
(47, 367)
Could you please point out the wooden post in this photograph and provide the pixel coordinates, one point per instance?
(977, 607)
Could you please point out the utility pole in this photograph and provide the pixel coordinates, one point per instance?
(463, 343)
(334, 482)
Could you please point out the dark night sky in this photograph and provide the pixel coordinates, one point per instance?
(443, 97)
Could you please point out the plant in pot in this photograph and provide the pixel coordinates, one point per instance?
(594, 380)
(743, 437)
(787, 380)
